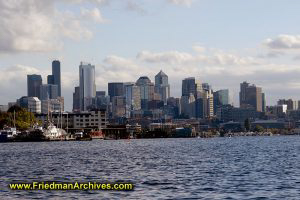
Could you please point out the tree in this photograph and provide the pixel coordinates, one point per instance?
(259, 128)
(247, 124)
(18, 116)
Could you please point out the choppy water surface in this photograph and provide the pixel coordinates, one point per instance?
(218, 168)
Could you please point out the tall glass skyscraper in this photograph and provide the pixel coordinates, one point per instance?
(87, 85)
(34, 82)
(162, 86)
(55, 79)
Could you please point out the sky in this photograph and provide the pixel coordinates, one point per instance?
(222, 43)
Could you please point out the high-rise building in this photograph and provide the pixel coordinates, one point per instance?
(188, 86)
(132, 98)
(115, 89)
(251, 97)
(204, 102)
(76, 99)
(221, 97)
(118, 106)
(264, 104)
(51, 105)
(146, 91)
(50, 79)
(100, 93)
(34, 82)
(87, 86)
(56, 75)
(162, 86)
(291, 105)
(48, 91)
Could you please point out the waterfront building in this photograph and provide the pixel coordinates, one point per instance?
(228, 113)
(74, 121)
(34, 82)
(87, 86)
(162, 86)
(34, 105)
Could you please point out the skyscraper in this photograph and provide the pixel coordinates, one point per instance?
(191, 85)
(76, 99)
(34, 82)
(56, 75)
(162, 86)
(50, 79)
(221, 97)
(251, 97)
(48, 91)
(87, 86)
(133, 98)
(115, 89)
(146, 91)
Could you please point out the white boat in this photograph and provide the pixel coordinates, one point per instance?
(9, 132)
(52, 132)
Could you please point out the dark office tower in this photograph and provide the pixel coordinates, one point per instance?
(191, 85)
(162, 86)
(251, 97)
(48, 91)
(76, 99)
(50, 79)
(56, 75)
(115, 89)
(243, 92)
(34, 82)
(263, 102)
(100, 93)
(188, 86)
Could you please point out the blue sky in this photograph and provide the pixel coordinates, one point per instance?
(219, 42)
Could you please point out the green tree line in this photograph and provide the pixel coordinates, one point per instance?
(23, 118)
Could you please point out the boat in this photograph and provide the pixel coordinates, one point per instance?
(54, 133)
(82, 137)
(7, 134)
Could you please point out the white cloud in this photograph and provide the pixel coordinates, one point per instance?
(165, 57)
(283, 42)
(37, 26)
(182, 2)
(92, 14)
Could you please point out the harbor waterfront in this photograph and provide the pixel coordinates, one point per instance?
(192, 168)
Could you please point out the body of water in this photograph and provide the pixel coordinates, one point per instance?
(216, 168)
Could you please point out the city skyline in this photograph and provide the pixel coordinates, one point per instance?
(217, 43)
